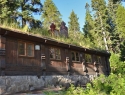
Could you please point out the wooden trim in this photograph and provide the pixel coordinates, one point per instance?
(76, 62)
(55, 54)
(56, 60)
(33, 46)
(75, 56)
(31, 37)
(24, 48)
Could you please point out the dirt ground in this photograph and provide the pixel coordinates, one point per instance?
(38, 91)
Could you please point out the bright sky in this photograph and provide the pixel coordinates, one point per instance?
(66, 6)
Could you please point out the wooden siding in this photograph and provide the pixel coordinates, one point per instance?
(33, 65)
(76, 66)
(16, 63)
(22, 65)
(2, 55)
(56, 66)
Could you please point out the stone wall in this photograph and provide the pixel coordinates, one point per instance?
(13, 84)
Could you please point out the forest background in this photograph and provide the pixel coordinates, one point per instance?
(104, 30)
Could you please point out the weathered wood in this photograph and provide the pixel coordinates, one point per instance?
(2, 55)
(2, 52)
(13, 57)
(2, 63)
(2, 42)
(77, 71)
(15, 64)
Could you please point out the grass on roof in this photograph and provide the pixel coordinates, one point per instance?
(76, 39)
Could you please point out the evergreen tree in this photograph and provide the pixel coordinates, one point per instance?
(73, 23)
(50, 14)
(114, 35)
(120, 22)
(26, 10)
(8, 10)
(89, 24)
(115, 1)
(101, 25)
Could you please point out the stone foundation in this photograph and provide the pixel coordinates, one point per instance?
(13, 84)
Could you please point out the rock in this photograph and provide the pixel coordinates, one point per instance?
(2, 82)
(12, 89)
(12, 84)
(32, 88)
(2, 89)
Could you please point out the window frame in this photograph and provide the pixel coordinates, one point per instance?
(55, 48)
(75, 56)
(32, 50)
(99, 57)
(89, 58)
(25, 49)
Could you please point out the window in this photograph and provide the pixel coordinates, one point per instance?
(26, 49)
(55, 53)
(88, 58)
(99, 59)
(75, 56)
(30, 50)
(21, 48)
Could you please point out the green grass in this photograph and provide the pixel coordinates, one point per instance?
(76, 39)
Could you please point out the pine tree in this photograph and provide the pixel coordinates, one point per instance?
(101, 26)
(114, 35)
(120, 21)
(8, 10)
(73, 22)
(27, 9)
(115, 1)
(50, 14)
(89, 24)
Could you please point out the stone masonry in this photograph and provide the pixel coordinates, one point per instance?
(13, 84)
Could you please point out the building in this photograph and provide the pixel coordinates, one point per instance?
(27, 54)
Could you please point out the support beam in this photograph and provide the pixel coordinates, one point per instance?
(2, 55)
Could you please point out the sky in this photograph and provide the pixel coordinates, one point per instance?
(78, 6)
(66, 6)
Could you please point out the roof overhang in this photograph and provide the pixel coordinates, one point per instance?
(48, 41)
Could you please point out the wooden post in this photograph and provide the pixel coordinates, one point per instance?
(43, 65)
(108, 65)
(93, 58)
(2, 55)
(96, 68)
(84, 67)
(67, 65)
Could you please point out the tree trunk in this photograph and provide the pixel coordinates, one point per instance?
(103, 32)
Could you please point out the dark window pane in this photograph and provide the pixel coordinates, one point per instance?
(99, 59)
(88, 58)
(52, 53)
(30, 50)
(73, 56)
(77, 58)
(55, 53)
(21, 48)
(77, 54)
